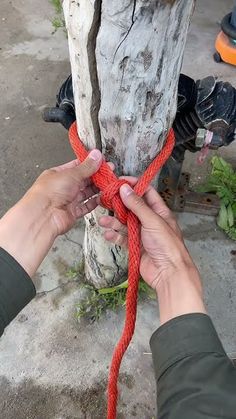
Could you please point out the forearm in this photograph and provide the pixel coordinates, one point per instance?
(16, 289)
(26, 231)
(195, 378)
(180, 293)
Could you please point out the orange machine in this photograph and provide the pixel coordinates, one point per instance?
(226, 40)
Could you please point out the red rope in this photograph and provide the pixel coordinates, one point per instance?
(109, 185)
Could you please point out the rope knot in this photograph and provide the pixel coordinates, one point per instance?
(110, 199)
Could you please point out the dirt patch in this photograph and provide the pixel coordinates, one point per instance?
(29, 400)
(127, 380)
(32, 401)
(61, 266)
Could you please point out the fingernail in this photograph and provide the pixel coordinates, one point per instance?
(95, 155)
(126, 190)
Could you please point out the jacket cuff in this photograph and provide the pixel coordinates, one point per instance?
(16, 288)
(182, 337)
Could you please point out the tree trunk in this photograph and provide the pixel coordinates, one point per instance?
(126, 58)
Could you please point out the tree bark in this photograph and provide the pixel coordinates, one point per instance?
(126, 58)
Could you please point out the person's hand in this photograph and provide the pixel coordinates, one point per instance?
(50, 207)
(165, 262)
(163, 249)
(67, 191)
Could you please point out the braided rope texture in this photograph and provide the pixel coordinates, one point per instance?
(109, 185)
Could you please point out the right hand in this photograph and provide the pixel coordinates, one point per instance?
(164, 253)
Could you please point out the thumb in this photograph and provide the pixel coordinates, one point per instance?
(89, 166)
(137, 205)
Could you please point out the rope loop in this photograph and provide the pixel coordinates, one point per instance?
(109, 185)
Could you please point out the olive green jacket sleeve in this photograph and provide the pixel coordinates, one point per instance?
(16, 289)
(195, 378)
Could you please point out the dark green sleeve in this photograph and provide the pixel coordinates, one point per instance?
(16, 289)
(195, 378)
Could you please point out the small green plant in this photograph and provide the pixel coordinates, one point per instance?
(72, 272)
(58, 21)
(76, 270)
(57, 5)
(222, 182)
(97, 302)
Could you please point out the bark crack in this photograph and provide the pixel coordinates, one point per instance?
(115, 261)
(128, 31)
(92, 62)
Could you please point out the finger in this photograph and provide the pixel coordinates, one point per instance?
(111, 165)
(137, 205)
(131, 179)
(89, 166)
(116, 238)
(85, 183)
(85, 208)
(86, 193)
(75, 163)
(69, 165)
(155, 201)
(157, 204)
(88, 182)
(113, 223)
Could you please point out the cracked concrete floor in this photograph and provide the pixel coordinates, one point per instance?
(52, 367)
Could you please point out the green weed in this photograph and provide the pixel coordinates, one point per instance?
(58, 21)
(76, 270)
(222, 182)
(57, 4)
(97, 302)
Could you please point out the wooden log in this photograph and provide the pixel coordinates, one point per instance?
(126, 58)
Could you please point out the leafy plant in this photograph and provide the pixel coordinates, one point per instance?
(57, 5)
(76, 270)
(72, 273)
(222, 182)
(97, 302)
(58, 21)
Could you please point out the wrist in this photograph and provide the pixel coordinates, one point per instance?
(180, 292)
(27, 232)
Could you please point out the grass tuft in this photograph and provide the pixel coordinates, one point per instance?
(57, 4)
(97, 302)
(58, 21)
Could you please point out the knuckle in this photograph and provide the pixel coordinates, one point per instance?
(138, 202)
(168, 214)
(86, 167)
(90, 163)
(175, 227)
(47, 173)
(173, 220)
(120, 240)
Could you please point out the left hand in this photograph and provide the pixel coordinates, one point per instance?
(67, 191)
(50, 207)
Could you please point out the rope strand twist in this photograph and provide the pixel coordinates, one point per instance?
(109, 185)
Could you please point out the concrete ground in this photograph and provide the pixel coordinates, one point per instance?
(51, 366)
